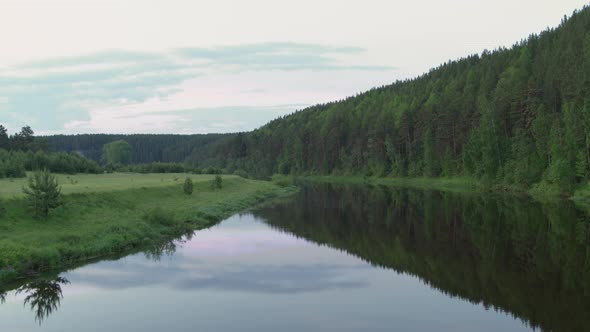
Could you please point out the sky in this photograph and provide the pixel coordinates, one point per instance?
(192, 66)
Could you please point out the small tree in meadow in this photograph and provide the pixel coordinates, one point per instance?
(2, 209)
(188, 186)
(217, 182)
(43, 193)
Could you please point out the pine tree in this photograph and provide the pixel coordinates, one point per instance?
(43, 193)
(188, 186)
(429, 157)
(4, 142)
(217, 182)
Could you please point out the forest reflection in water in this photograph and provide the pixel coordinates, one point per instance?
(512, 254)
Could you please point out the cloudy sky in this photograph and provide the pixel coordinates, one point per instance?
(192, 66)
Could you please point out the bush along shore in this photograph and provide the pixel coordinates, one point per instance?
(89, 225)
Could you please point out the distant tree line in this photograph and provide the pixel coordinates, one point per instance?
(145, 148)
(23, 152)
(21, 141)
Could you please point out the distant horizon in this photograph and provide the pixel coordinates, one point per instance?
(170, 85)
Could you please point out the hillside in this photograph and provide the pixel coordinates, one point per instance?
(519, 116)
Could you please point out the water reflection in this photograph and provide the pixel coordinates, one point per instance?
(43, 296)
(529, 259)
(157, 252)
(270, 279)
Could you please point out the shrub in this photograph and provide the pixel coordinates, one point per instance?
(2, 209)
(43, 193)
(12, 168)
(159, 216)
(241, 173)
(155, 167)
(188, 186)
(217, 182)
(211, 170)
(282, 180)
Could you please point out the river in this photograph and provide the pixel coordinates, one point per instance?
(337, 258)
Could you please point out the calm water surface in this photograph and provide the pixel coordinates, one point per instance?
(337, 258)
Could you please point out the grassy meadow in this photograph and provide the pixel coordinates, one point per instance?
(93, 183)
(112, 213)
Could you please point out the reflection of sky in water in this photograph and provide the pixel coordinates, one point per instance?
(237, 237)
(242, 274)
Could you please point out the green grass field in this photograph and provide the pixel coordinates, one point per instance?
(92, 183)
(113, 213)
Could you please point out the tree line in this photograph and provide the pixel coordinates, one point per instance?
(145, 148)
(23, 152)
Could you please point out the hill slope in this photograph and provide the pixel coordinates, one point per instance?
(519, 116)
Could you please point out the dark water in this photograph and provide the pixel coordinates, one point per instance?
(337, 258)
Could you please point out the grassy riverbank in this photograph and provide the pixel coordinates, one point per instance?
(106, 214)
(580, 196)
(457, 184)
(93, 183)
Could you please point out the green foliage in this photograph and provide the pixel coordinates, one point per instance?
(11, 165)
(211, 170)
(187, 187)
(581, 165)
(4, 140)
(241, 173)
(217, 182)
(160, 216)
(146, 148)
(156, 167)
(43, 193)
(430, 166)
(560, 175)
(2, 209)
(21, 141)
(117, 153)
(23, 152)
(283, 180)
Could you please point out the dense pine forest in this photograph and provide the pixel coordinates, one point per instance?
(518, 116)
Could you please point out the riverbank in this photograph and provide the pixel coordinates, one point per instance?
(137, 210)
(580, 196)
(458, 184)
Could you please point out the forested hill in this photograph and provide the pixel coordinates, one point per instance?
(518, 116)
(146, 148)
